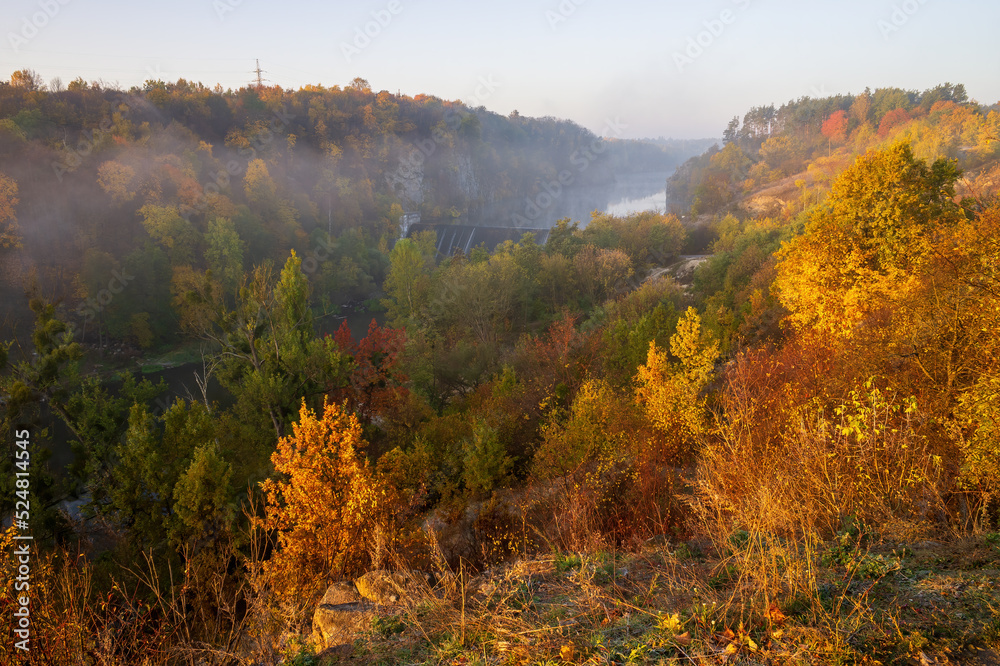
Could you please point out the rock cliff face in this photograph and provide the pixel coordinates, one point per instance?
(418, 180)
(466, 179)
(407, 181)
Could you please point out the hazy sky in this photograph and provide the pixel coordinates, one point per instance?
(666, 68)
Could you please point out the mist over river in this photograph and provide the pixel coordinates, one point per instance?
(508, 220)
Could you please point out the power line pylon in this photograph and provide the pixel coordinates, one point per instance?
(258, 71)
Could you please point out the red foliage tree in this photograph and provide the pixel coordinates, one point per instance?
(376, 385)
(835, 127)
(893, 119)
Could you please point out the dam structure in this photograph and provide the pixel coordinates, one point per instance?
(452, 238)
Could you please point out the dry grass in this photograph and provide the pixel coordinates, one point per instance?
(733, 595)
(748, 598)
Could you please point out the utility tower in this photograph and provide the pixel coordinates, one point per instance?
(258, 71)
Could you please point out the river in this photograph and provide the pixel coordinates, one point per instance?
(508, 220)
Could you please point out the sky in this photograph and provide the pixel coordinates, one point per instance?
(622, 68)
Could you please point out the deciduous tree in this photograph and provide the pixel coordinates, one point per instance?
(863, 250)
(325, 502)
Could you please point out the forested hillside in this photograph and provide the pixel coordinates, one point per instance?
(810, 140)
(600, 458)
(158, 184)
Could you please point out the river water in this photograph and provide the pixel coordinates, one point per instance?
(508, 220)
(637, 193)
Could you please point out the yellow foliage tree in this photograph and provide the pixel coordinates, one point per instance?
(862, 252)
(669, 393)
(9, 236)
(117, 180)
(597, 430)
(326, 503)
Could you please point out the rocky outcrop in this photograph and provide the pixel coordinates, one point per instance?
(764, 206)
(413, 180)
(471, 533)
(341, 615)
(347, 609)
(455, 533)
(392, 587)
(407, 181)
(465, 177)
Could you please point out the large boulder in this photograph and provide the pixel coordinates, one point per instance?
(455, 533)
(393, 587)
(340, 616)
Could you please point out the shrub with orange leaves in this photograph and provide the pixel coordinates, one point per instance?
(326, 505)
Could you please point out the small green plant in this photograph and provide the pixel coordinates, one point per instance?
(387, 626)
(876, 566)
(707, 616)
(913, 644)
(724, 577)
(687, 552)
(670, 624)
(845, 545)
(299, 654)
(566, 562)
(738, 539)
(523, 597)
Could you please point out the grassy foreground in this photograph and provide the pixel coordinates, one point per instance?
(746, 599)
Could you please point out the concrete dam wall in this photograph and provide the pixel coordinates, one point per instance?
(452, 238)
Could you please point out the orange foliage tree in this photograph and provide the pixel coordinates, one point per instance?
(326, 504)
(891, 120)
(376, 387)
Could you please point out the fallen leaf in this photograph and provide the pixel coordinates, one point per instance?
(775, 615)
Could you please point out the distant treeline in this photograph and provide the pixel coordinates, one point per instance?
(771, 143)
